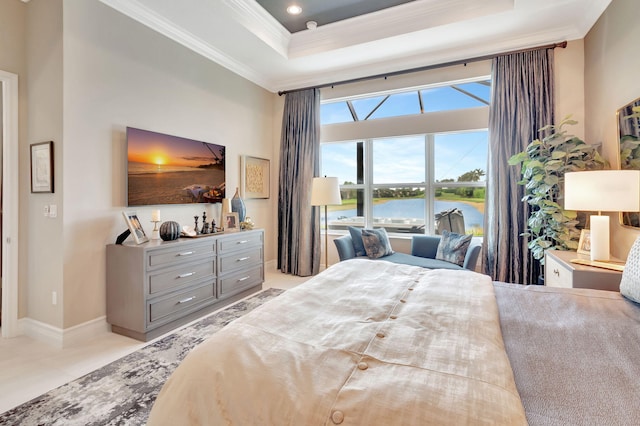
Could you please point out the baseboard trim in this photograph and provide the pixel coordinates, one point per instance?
(62, 338)
(270, 265)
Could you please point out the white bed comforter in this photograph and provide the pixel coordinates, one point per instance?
(363, 343)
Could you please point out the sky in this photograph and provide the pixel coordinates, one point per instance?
(401, 159)
(159, 149)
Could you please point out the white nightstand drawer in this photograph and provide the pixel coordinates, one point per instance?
(556, 275)
(560, 271)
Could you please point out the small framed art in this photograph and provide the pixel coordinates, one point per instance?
(42, 167)
(584, 244)
(231, 223)
(255, 177)
(135, 227)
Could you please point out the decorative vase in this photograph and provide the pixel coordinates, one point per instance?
(170, 231)
(224, 209)
(237, 205)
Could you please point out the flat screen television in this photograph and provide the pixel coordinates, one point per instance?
(164, 169)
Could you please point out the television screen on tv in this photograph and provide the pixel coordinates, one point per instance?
(164, 169)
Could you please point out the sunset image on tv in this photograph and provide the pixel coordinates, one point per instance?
(164, 169)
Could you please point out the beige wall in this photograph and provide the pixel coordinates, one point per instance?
(612, 79)
(41, 270)
(91, 73)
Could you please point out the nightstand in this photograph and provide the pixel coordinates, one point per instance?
(560, 272)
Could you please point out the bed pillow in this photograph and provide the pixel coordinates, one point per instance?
(356, 240)
(630, 282)
(453, 247)
(376, 243)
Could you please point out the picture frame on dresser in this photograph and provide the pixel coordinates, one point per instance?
(584, 244)
(231, 222)
(137, 231)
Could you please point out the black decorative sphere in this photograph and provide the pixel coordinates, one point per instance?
(170, 231)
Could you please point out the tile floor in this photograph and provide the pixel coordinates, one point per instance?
(29, 368)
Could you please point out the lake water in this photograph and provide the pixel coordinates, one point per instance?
(414, 208)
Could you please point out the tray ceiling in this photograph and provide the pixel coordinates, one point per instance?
(351, 42)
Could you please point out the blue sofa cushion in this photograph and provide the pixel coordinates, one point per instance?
(376, 243)
(356, 239)
(425, 262)
(453, 247)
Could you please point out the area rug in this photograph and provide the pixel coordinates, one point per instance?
(123, 392)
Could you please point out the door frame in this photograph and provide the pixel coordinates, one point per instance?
(10, 166)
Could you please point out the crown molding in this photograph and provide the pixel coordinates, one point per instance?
(399, 20)
(138, 12)
(258, 21)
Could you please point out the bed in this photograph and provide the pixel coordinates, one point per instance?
(377, 343)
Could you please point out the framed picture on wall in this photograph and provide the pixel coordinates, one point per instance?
(254, 177)
(584, 244)
(42, 167)
(135, 227)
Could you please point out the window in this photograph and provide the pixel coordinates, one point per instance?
(412, 183)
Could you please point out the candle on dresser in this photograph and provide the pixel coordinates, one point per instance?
(155, 216)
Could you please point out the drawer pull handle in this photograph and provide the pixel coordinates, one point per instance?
(242, 259)
(188, 299)
(555, 271)
(186, 253)
(188, 274)
(244, 278)
(242, 242)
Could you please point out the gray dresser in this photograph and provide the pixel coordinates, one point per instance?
(157, 286)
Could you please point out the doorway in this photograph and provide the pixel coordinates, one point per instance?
(9, 203)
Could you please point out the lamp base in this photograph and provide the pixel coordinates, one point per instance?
(599, 237)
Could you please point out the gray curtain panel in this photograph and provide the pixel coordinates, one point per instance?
(298, 221)
(522, 102)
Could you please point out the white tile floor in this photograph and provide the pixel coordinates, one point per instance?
(29, 368)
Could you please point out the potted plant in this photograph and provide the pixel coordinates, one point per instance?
(544, 163)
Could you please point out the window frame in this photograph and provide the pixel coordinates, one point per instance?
(430, 185)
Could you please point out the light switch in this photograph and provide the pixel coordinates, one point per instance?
(53, 210)
(46, 210)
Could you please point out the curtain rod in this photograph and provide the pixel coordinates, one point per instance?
(562, 44)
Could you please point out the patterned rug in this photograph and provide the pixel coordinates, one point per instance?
(123, 392)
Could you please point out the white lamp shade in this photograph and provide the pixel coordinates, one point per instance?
(325, 191)
(602, 190)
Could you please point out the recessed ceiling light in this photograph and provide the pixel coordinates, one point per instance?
(294, 9)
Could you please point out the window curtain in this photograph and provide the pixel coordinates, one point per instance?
(298, 221)
(522, 102)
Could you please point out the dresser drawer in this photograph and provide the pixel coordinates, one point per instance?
(242, 241)
(243, 259)
(165, 308)
(556, 274)
(181, 276)
(179, 254)
(235, 283)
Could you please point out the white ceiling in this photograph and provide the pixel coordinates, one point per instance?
(241, 36)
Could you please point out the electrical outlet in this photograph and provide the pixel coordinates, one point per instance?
(53, 210)
(54, 298)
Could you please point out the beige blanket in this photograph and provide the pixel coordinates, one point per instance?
(363, 343)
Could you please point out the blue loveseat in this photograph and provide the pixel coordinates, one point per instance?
(423, 253)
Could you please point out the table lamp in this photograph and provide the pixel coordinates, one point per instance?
(325, 191)
(602, 190)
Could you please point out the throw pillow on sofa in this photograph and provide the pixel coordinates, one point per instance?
(376, 243)
(356, 240)
(453, 247)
